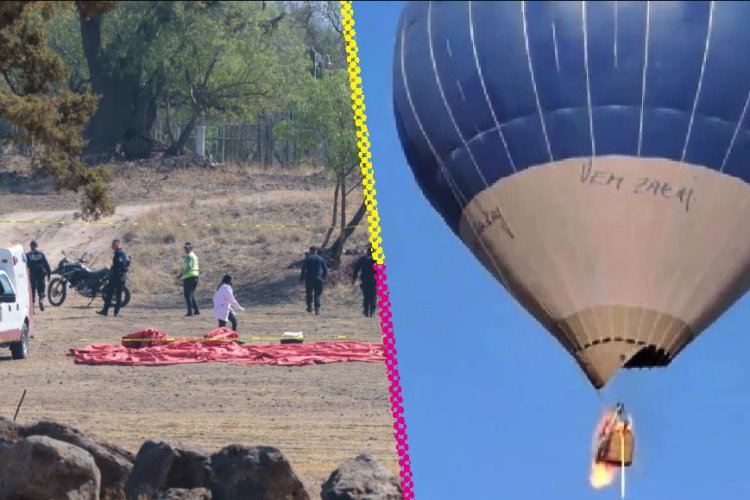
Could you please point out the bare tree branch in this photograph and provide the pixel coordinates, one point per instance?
(355, 186)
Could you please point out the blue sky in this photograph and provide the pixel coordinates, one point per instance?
(495, 407)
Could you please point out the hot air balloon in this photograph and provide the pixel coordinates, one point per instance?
(594, 156)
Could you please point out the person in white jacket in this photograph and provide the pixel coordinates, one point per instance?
(225, 304)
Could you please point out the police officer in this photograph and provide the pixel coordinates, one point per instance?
(314, 272)
(38, 270)
(189, 276)
(365, 267)
(117, 274)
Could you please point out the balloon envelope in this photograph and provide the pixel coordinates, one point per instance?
(593, 156)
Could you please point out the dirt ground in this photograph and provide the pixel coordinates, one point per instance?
(318, 416)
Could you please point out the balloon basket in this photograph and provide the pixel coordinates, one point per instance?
(617, 450)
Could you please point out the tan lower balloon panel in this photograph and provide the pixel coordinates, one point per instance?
(624, 260)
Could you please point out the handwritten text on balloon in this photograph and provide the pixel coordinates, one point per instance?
(640, 185)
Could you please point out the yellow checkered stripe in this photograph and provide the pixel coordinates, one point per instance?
(368, 181)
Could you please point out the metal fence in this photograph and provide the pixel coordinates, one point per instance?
(250, 142)
(8, 130)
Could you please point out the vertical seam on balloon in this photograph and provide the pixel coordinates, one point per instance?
(445, 101)
(664, 338)
(533, 81)
(713, 194)
(667, 330)
(461, 91)
(571, 338)
(457, 193)
(446, 174)
(590, 110)
(588, 82)
(633, 239)
(736, 132)
(643, 81)
(614, 45)
(445, 171)
(368, 182)
(484, 87)
(554, 44)
(698, 90)
(654, 336)
(575, 344)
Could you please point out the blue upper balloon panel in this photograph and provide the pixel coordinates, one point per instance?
(486, 89)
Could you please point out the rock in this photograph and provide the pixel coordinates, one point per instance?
(9, 431)
(42, 467)
(150, 470)
(191, 469)
(114, 463)
(254, 473)
(361, 479)
(186, 494)
(159, 466)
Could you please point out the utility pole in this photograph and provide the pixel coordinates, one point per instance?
(200, 139)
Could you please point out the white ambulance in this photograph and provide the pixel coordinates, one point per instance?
(16, 308)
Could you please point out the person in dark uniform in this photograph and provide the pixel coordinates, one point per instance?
(314, 272)
(117, 274)
(365, 267)
(38, 270)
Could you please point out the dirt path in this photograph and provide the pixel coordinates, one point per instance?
(54, 238)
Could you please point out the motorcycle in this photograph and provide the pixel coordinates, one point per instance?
(90, 284)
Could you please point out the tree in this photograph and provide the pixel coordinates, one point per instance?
(323, 116)
(64, 38)
(189, 58)
(323, 30)
(123, 71)
(33, 97)
(233, 62)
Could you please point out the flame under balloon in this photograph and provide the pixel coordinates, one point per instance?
(602, 475)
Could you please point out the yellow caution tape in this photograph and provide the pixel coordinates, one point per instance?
(169, 224)
(181, 339)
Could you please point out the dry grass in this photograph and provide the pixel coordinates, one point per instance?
(258, 257)
(317, 415)
(152, 181)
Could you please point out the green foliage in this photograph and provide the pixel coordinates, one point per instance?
(190, 58)
(225, 62)
(227, 58)
(322, 25)
(50, 119)
(64, 38)
(322, 114)
(187, 59)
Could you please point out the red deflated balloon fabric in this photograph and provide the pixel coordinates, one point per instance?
(151, 347)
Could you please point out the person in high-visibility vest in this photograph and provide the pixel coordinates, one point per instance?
(189, 276)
